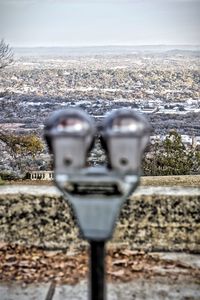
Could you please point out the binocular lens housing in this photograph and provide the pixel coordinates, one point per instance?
(70, 136)
(124, 137)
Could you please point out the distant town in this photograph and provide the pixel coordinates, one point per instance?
(162, 84)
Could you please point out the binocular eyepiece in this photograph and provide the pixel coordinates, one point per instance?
(70, 136)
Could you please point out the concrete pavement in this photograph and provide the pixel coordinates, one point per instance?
(156, 289)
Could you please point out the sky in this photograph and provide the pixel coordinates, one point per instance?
(35, 23)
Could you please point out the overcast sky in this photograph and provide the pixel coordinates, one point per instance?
(99, 22)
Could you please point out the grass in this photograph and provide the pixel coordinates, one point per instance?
(181, 180)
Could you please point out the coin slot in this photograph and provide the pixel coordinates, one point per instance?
(68, 161)
(123, 161)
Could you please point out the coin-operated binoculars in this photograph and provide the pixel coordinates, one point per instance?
(96, 194)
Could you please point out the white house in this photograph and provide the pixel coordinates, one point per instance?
(40, 175)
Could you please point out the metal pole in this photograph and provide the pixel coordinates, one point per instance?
(97, 270)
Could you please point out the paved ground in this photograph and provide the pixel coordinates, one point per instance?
(137, 290)
(12, 291)
(141, 190)
(157, 289)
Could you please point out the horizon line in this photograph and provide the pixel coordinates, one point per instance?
(111, 45)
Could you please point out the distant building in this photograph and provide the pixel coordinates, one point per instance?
(40, 175)
(194, 142)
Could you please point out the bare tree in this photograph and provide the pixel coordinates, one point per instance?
(6, 54)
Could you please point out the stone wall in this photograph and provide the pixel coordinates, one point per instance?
(161, 223)
(148, 222)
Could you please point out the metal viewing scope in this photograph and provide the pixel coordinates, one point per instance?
(96, 194)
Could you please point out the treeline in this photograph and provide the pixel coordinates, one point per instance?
(163, 157)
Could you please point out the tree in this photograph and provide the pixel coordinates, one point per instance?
(176, 160)
(196, 165)
(6, 54)
(170, 157)
(20, 146)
